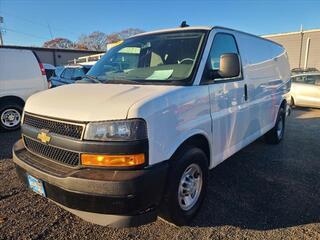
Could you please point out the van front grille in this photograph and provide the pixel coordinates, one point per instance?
(57, 154)
(54, 126)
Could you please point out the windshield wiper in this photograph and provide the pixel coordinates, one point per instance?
(93, 78)
(125, 81)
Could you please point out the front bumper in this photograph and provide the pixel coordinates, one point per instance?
(102, 196)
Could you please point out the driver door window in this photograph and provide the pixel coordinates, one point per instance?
(223, 43)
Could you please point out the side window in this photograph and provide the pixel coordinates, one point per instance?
(78, 72)
(222, 44)
(68, 73)
(311, 79)
(295, 79)
(306, 79)
(299, 79)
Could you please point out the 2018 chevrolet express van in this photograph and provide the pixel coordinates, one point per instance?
(21, 75)
(136, 137)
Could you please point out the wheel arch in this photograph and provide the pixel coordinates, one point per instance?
(292, 99)
(283, 103)
(11, 98)
(198, 140)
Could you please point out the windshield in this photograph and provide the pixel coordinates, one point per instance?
(165, 57)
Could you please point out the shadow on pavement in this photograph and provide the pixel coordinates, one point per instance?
(268, 187)
(7, 139)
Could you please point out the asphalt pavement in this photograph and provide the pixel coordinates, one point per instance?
(262, 192)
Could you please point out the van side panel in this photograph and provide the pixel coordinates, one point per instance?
(267, 75)
(20, 74)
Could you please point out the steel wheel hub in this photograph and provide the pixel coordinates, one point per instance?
(190, 187)
(10, 118)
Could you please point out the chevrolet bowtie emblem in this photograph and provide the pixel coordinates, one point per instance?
(44, 137)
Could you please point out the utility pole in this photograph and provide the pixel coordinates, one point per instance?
(301, 45)
(1, 39)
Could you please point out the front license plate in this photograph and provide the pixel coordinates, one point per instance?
(36, 185)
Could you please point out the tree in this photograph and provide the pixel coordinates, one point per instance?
(59, 43)
(116, 37)
(129, 32)
(94, 41)
(112, 38)
(81, 46)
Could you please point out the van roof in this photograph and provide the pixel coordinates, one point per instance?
(205, 28)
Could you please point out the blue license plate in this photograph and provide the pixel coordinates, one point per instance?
(36, 185)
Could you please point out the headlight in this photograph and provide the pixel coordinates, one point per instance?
(124, 130)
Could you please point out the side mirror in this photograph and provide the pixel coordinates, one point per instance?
(317, 83)
(229, 66)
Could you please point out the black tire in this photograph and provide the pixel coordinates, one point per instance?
(274, 136)
(171, 209)
(4, 107)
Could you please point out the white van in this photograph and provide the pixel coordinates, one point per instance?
(21, 75)
(136, 138)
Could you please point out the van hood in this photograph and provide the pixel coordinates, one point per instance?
(91, 102)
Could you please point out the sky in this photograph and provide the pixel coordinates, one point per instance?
(32, 22)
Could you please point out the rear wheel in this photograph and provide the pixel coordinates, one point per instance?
(10, 116)
(275, 135)
(186, 187)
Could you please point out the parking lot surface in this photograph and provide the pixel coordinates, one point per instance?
(262, 192)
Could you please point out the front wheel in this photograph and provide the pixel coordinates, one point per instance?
(275, 135)
(186, 186)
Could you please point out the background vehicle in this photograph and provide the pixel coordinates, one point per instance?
(305, 90)
(68, 75)
(21, 75)
(50, 70)
(141, 130)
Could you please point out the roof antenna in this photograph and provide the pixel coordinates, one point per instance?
(184, 24)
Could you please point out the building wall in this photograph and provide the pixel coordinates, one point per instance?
(56, 57)
(296, 46)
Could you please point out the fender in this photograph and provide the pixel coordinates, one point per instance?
(187, 135)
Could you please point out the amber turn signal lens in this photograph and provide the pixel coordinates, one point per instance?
(112, 160)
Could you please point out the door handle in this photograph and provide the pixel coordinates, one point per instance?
(245, 92)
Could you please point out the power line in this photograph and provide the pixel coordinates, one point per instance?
(24, 33)
(50, 30)
(40, 24)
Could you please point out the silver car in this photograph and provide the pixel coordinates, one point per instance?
(305, 90)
